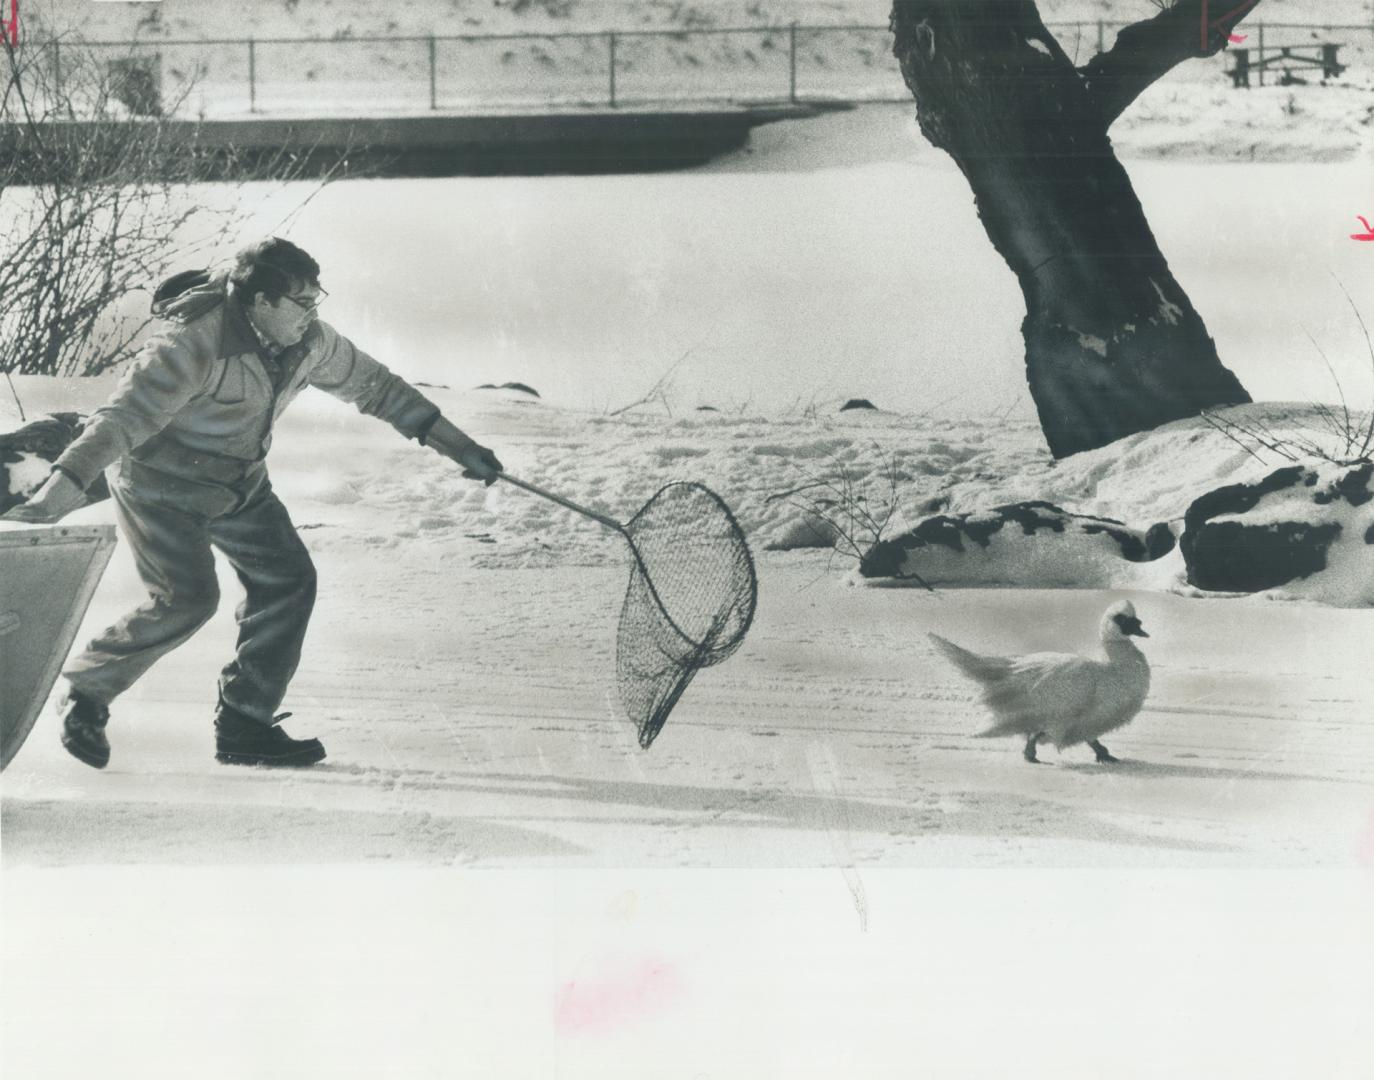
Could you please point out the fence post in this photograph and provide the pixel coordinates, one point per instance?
(57, 67)
(611, 39)
(792, 65)
(433, 82)
(1261, 53)
(1101, 37)
(252, 76)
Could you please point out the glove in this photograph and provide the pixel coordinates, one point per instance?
(57, 498)
(479, 463)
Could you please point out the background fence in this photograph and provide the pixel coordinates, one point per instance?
(617, 69)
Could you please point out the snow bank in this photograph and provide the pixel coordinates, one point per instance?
(795, 482)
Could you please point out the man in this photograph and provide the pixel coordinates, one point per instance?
(187, 431)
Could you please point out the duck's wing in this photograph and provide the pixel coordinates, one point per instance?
(1042, 690)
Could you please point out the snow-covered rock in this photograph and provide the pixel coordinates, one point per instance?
(1031, 543)
(1309, 530)
(27, 454)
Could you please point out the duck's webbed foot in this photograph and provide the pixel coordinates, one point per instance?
(1029, 752)
(1103, 754)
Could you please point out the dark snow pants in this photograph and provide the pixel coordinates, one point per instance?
(171, 538)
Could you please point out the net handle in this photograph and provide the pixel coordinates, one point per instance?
(576, 508)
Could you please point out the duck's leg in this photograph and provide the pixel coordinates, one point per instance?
(1029, 752)
(1102, 753)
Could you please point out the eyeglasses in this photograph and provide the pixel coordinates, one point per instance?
(309, 303)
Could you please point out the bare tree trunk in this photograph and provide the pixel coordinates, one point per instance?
(1113, 344)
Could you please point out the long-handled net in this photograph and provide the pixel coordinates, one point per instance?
(690, 600)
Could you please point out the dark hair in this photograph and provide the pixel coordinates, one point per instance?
(272, 267)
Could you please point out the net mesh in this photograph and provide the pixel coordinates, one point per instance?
(690, 600)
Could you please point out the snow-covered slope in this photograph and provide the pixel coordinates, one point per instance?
(778, 474)
(1193, 111)
(357, 18)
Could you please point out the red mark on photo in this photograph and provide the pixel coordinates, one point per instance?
(9, 28)
(1368, 233)
(593, 1006)
(1236, 39)
(1209, 24)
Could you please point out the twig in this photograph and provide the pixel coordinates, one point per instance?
(1229, 428)
(15, 392)
(1368, 439)
(1340, 427)
(657, 390)
(1007, 412)
(794, 491)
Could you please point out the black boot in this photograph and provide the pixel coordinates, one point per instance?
(83, 729)
(241, 740)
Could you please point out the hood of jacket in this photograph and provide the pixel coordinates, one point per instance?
(187, 296)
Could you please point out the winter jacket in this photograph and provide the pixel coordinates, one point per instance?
(199, 403)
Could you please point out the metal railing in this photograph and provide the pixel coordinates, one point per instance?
(611, 68)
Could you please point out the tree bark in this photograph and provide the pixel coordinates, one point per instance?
(1113, 344)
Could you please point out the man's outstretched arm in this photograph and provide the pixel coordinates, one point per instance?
(478, 462)
(353, 376)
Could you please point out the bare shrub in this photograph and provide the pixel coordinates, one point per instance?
(850, 512)
(1341, 435)
(96, 187)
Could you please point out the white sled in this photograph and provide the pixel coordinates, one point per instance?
(47, 576)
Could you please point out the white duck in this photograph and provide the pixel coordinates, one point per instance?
(1059, 697)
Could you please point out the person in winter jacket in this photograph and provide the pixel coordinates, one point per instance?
(185, 437)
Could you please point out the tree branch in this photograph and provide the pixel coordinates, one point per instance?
(1145, 51)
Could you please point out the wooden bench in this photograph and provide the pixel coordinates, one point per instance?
(1289, 59)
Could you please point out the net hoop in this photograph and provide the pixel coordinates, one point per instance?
(738, 534)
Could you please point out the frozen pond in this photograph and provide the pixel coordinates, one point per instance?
(786, 276)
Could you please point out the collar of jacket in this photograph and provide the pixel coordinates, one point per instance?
(241, 337)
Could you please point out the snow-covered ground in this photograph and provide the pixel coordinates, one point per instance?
(488, 877)
(460, 670)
